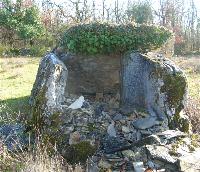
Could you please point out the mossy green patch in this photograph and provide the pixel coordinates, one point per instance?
(174, 87)
(91, 127)
(177, 121)
(78, 153)
(37, 111)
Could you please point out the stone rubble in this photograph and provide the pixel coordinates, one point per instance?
(119, 144)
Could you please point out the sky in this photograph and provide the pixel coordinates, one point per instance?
(124, 2)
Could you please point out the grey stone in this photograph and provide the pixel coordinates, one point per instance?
(13, 136)
(169, 134)
(128, 153)
(114, 144)
(125, 129)
(190, 162)
(160, 153)
(91, 166)
(150, 140)
(111, 130)
(145, 123)
(138, 166)
(104, 164)
(49, 89)
(153, 84)
(77, 104)
(118, 117)
(92, 74)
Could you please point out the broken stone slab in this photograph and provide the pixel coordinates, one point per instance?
(160, 153)
(111, 130)
(77, 104)
(114, 144)
(145, 123)
(169, 134)
(49, 90)
(150, 140)
(138, 166)
(153, 84)
(190, 162)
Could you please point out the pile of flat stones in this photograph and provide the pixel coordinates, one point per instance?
(122, 146)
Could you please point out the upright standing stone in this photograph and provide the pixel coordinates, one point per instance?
(49, 89)
(152, 84)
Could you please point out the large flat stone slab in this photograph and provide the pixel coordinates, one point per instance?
(152, 84)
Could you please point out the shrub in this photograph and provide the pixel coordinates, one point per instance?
(193, 111)
(38, 51)
(3, 49)
(179, 49)
(96, 38)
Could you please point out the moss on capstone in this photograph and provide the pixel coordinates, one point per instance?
(78, 153)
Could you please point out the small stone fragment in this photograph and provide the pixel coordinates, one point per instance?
(77, 104)
(128, 153)
(74, 138)
(160, 153)
(145, 123)
(118, 117)
(125, 129)
(104, 164)
(111, 130)
(138, 166)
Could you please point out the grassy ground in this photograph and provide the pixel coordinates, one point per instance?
(17, 75)
(191, 66)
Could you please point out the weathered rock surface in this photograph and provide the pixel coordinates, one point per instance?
(190, 162)
(153, 84)
(92, 74)
(160, 153)
(145, 123)
(49, 89)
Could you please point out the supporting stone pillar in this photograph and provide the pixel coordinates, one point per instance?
(152, 84)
